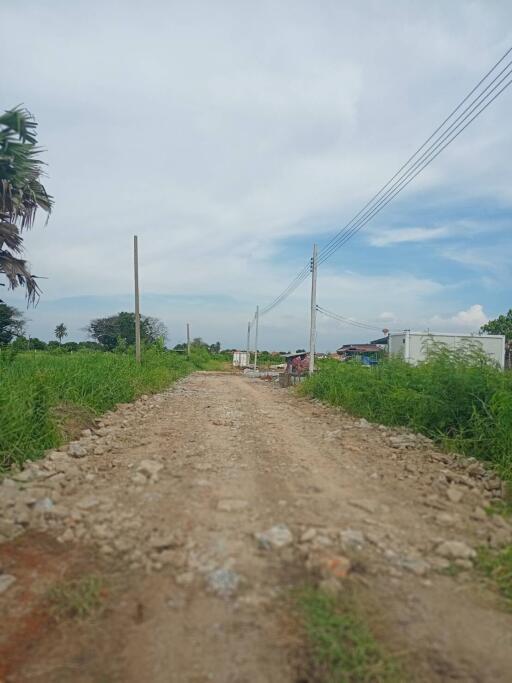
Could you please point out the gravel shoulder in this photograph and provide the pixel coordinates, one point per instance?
(201, 507)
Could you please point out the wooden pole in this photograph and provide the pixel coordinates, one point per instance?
(137, 301)
(256, 339)
(188, 340)
(248, 359)
(312, 330)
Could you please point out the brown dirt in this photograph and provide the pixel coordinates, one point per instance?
(241, 456)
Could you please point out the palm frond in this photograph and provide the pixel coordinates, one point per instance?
(22, 194)
(18, 275)
(10, 236)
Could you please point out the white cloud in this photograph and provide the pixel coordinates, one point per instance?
(386, 237)
(469, 320)
(387, 317)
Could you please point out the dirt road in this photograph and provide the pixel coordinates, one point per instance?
(169, 506)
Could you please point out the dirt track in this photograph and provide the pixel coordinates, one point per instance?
(192, 596)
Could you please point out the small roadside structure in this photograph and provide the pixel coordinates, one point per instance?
(240, 359)
(367, 353)
(297, 367)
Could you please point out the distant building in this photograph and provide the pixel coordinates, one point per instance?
(348, 351)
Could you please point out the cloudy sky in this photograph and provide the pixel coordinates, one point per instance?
(230, 136)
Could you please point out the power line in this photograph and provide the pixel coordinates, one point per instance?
(349, 321)
(437, 130)
(296, 282)
(355, 225)
(407, 172)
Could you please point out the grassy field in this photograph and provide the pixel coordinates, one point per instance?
(458, 399)
(47, 397)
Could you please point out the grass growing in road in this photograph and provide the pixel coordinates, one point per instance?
(456, 398)
(343, 648)
(497, 566)
(76, 599)
(41, 390)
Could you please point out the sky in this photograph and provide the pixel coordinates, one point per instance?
(231, 136)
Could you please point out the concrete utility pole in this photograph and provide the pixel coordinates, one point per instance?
(312, 330)
(248, 343)
(188, 340)
(256, 338)
(137, 302)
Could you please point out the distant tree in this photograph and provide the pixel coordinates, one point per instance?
(301, 351)
(89, 346)
(108, 331)
(199, 343)
(501, 325)
(215, 348)
(180, 347)
(35, 344)
(21, 195)
(61, 332)
(12, 323)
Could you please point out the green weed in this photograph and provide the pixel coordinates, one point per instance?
(342, 646)
(497, 566)
(76, 599)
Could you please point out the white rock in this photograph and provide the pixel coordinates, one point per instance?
(223, 581)
(76, 450)
(6, 580)
(150, 468)
(455, 550)
(43, 505)
(67, 536)
(352, 538)
(414, 565)
(277, 536)
(308, 535)
(88, 503)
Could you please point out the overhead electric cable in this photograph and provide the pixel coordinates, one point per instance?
(349, 321)
(437, 130)
(439, 139)
(447, 138)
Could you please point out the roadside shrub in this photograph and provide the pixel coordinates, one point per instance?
(458, 398)
(35, 385)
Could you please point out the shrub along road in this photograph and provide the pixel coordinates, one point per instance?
(173, 542)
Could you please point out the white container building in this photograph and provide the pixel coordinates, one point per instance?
(413, 345)
(241, 359)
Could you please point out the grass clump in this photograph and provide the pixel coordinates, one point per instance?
(343, 648)
(76, 599)
(497, 566)
(41, 388)
(456, 397)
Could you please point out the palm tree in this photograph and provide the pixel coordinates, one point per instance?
(61, 331)
(21, 195)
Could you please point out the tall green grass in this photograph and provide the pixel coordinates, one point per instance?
(40, 390)
(457, 398)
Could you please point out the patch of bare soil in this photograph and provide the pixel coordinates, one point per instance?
(204, 505)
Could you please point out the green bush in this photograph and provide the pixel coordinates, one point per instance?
(457, 398)
(35, 386)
